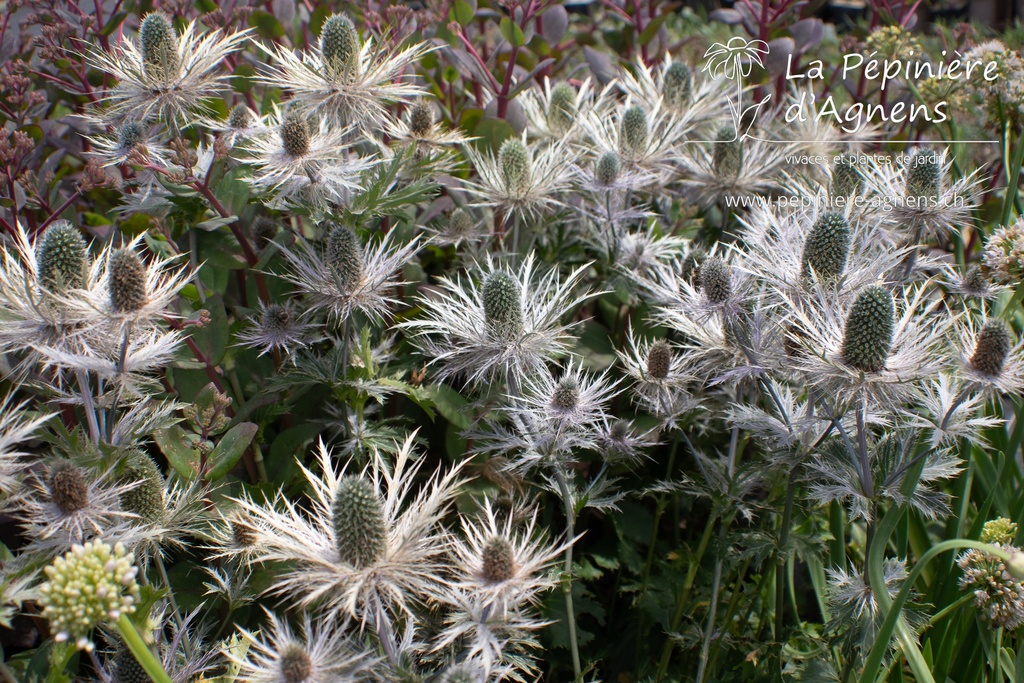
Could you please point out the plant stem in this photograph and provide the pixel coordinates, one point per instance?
(570, 535)
(147, 660)
(709, 630)
(781, 557)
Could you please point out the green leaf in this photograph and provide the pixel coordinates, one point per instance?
(230, 449)
(464, 11)
(173, 442)
(490, 133)
(267, 25)
(450, 403)
(215, 223)
(511, 32)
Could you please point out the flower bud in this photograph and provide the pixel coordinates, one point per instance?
(499, 561)
(727, 153)
(867, 339)
(827, 247)
(609, 166)
(127, 669)
(514, 161)
(129, 135)
(677, 86)
(126, 283)
(659, 359)
(716, 280)
(294, 134)
(62, 257)
(358, 516)
(68, 488)
(345, 256)
(562, 109)
(240, 117)
(566, 395)
(990, 351)
(295, 664)
(460, 223)
(264, 230)
(421, 119)
(159, 43)
(339, 47)
(924, 177)
(633, 134)
(845, 178)
(502, 305)
(147, 498)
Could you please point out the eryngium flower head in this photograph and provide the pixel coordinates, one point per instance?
(126, 283)
(998, 595)
(994, 343)
(421, 119)
(62, 257)
(715, 280)
(339, 47)
(659, 360)
(677, 86)
(633, 136)
(158, 41)
(562, 112)
(318, 652)
(348, 566)
(869, 330)
(358, 516)
(924, 176)
(91, 585)
(165, 77)
(146, 499)
(514, 160)
(827, 247)
(345, 255)
(278, 327)
(727, 153)
(343, 83)
(503, 308)
(69, 490)
(294, 134)
(609, 166)
(241, 117)
(459, 333)
(1004, 254)
(523, 178)
(845, 178)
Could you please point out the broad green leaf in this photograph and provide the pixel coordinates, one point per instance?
(230, 449)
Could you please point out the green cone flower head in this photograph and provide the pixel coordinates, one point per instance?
(264, 230)
(129, 135)
(562, 108)
(499, 561)
(867, 339)
(514, 161)
(633, 134)
(659, 359)
(975, 282)
(62, 257)
(827, 247)
(359, 529)
(69, 490)
(339, 47)
(845, 178)
(126, 284)
(924, 176)
(994, 342)
(240, 117)
(294, 132)
(90, 585)
(295, 663)
(147, 498)
(609, 166)
(727, 153)
(567, 395)
(677, 87)
(243, 535)
(421, 119)
(502, 305)
(716, 280)
(460, 223)
(159, 42)
(345, 255)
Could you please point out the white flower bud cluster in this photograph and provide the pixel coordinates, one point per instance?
(91, 584)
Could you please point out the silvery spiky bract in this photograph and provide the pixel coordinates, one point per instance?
(523, 178)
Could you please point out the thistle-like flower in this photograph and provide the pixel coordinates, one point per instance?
(554, 109)
(345, 276)
(165, 76)
(277, 327)
(660, 376)
(524, 178)
(345, 81)
(128, 141)
(63, 257)
(997, 593)
(646, 140)
(304, 162)
(317, 652)
(90, 585)
(370, 545)
(991, 360)
(501, 324)
(689, 99)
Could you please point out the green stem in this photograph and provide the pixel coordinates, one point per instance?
(709, 630)
(658, 512)
(147, 660)
(894, 607)
(1011, 183)
(1013, 304)
(570, 535)
(60, 663)
(781, 557)
(158, 561)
